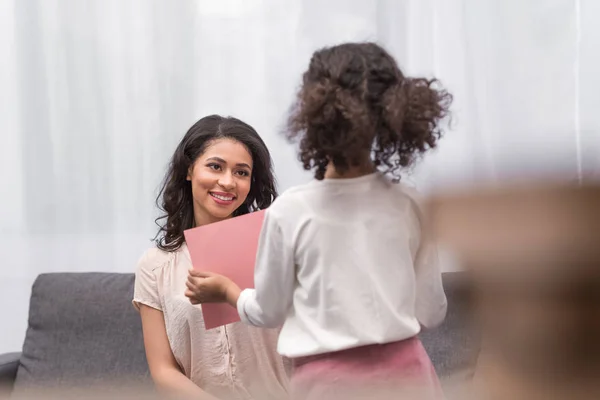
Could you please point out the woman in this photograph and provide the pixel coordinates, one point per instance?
(221, 168)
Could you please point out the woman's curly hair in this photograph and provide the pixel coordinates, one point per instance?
(355, 101)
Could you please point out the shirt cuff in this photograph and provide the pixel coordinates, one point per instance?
(245, 295)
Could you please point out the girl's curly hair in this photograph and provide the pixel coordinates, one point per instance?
(355, 101)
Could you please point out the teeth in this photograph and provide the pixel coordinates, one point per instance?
(221, 197)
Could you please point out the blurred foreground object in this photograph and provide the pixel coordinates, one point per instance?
(534, 257)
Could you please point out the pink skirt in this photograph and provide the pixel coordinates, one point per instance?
(395, 370)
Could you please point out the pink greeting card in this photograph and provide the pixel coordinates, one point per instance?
(227, 248)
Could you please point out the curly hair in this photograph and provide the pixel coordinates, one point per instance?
(354, 102)
(175, 199)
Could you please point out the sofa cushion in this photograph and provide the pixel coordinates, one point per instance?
(453, 346)
(82, 330)
(9, 364)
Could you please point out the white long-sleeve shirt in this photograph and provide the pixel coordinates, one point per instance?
(341, 264)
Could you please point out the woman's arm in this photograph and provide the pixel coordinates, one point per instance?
(164, 369)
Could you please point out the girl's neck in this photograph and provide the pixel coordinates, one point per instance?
(363, 169)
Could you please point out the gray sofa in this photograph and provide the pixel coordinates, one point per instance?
(84, 331)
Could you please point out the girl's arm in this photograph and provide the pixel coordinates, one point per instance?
(431, 304)
(268, 304)
(163, 367)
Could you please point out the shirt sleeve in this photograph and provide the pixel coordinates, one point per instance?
(431, 302)
(267, 305)
(145, 289)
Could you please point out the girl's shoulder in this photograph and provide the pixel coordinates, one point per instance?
(416, 199)
(297, 196)
(291, 197)
(401, 189)
(411, 192)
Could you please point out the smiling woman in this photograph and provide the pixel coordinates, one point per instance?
(220, 180)
(220, 169)
(217, 157)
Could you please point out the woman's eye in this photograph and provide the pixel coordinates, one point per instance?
(244, 173)
(216, 167)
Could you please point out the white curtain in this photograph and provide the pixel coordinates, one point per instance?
(94, 96)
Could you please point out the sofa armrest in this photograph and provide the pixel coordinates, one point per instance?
(9, 363)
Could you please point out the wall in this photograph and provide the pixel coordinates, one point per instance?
(95, 95)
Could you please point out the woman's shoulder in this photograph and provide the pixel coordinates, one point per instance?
(154, 258)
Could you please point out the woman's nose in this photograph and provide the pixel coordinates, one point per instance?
(226, 181)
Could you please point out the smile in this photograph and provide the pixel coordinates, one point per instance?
(222, 198)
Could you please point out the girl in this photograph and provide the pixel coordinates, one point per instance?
(221, 168)
(343, 263)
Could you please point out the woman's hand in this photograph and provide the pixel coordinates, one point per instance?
(206, 287)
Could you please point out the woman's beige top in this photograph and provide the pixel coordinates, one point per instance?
(231, 362)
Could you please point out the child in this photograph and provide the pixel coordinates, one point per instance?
(342, 261)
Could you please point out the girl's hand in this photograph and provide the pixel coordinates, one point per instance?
(206, 287)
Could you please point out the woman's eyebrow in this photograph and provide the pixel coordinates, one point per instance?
(219, 159)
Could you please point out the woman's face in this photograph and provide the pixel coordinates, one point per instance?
(220, 179)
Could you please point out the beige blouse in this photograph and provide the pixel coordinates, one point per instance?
(232, 362)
